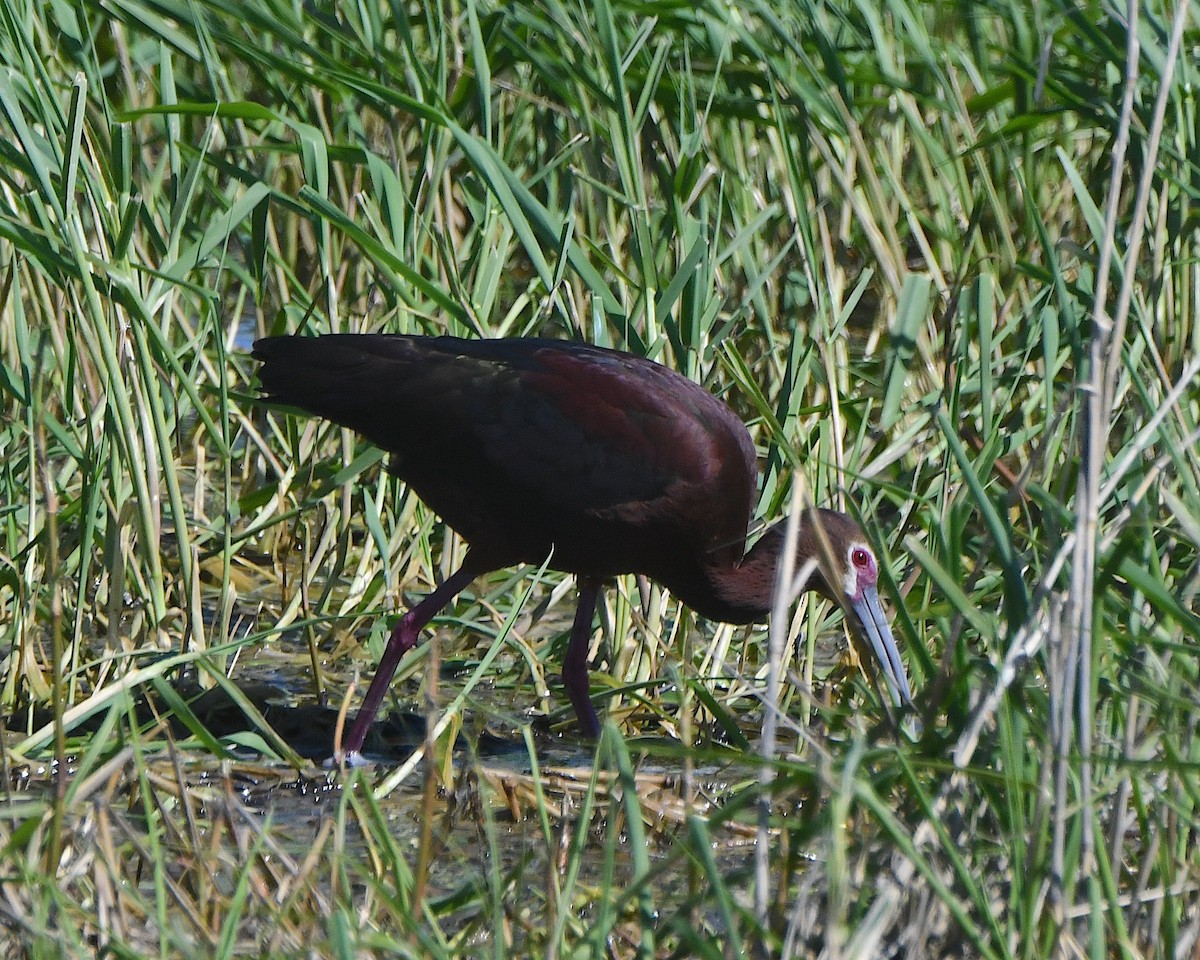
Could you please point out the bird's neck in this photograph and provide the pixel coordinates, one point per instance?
(733, 593)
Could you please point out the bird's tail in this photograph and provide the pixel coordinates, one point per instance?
(334, 376)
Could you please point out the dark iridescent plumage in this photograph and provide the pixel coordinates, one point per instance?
(616, 463)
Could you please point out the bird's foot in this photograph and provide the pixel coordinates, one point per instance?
(350, 760)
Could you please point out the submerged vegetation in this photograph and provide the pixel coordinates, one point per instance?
(943, 259)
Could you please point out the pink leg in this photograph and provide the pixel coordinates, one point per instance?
(403, 638)
(575, 664)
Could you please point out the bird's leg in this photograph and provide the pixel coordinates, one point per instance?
(575, 664)
(403, 638)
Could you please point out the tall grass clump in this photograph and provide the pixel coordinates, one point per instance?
(942, 259)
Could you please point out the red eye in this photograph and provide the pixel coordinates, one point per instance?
(859, 557)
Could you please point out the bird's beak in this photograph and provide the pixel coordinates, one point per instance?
(874, 628)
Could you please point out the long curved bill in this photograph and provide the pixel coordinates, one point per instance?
(873, 626)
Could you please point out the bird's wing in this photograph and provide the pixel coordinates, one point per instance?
(560, 426)
(615, 434)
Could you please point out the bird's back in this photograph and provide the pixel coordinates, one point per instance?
(522, 445)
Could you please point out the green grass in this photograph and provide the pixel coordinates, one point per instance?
(943, 259)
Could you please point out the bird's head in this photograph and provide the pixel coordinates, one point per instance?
(848, 573)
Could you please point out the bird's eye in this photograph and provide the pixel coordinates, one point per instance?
(860, 557)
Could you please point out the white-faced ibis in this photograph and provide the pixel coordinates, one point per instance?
(613, 462)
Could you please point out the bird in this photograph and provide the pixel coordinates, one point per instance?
(603, 461)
